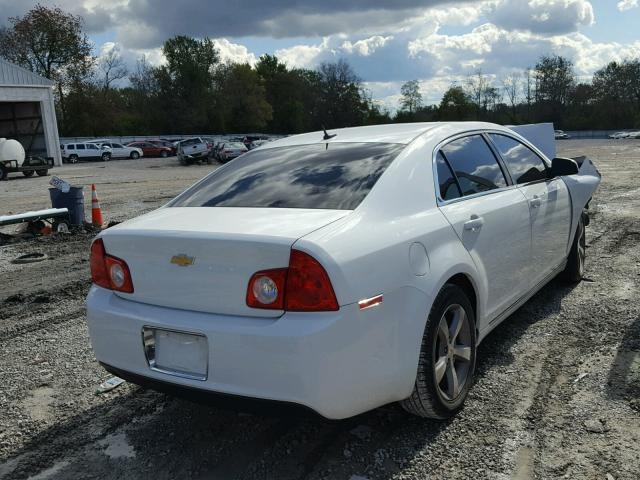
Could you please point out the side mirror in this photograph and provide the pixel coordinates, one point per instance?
(563, 166)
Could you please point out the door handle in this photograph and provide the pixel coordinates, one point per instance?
(474, 224)
(535, 202)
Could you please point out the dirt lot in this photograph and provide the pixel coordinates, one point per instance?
(557, 391)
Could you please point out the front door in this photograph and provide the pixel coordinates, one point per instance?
(549, 205)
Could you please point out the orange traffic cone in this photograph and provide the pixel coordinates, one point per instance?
(96, 211)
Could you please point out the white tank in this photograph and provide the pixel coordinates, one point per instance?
(11, 150)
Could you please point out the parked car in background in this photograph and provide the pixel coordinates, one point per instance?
(249, 139)
(118, 150)
(341, 274)
(164, 143)
(257, 143)
(560, 135)
(230, 150)
(151, 149)
(74, 152)
(619, 135)
(634, 135)
(210, 141)
(192, 150)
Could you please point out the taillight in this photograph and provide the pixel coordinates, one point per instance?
(302, 287)
(266, 289)
(108, 271)
(99, 274)
(308, 285)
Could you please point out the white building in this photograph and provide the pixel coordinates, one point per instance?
(27, 112)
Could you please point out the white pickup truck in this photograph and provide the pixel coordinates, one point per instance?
(192, 150)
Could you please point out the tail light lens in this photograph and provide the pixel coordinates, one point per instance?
(266, 289)
(99, 274)
(308, 288)
(108, 271)
(303, 287)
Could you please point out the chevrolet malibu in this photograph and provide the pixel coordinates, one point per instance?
(340, 272)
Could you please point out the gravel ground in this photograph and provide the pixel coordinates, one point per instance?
(556, 394)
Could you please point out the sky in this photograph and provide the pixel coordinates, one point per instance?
(438, 42)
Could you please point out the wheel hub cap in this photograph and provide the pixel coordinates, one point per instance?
(452, 352)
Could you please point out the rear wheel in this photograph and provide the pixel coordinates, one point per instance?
(28, 173)
(447, 357)
(164, 154)
(106, 156)
(574, 271)
(43, 172)
(134, 155)
(73, 158)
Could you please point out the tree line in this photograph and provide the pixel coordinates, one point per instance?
(549, 92)
(194, 91)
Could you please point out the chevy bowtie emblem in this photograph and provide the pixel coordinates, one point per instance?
(183, 260)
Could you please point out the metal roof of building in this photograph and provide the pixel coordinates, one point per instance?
(11, 74)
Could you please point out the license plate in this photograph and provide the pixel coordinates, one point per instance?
(176, 353)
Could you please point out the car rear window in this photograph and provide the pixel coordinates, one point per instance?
(323, 176)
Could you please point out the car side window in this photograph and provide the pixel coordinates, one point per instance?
(91, 146)
(523, 163)
(80, 146)
(446, 181)
(116, 145)
(474, 165)
(71, 147)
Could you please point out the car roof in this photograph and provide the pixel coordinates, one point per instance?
(402, 133)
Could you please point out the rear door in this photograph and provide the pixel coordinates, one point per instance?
(548, 201)
(490, 216)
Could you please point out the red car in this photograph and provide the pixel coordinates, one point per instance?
(152, 150)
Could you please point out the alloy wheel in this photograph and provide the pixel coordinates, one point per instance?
(452, 353)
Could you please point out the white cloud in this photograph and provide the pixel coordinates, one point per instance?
(234, 52)
(624, 5)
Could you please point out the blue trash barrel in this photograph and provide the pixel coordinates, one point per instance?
(73, 200)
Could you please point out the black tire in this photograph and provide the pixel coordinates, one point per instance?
(163, 154)
(574, 271)
(73, 159)
(182, 160)
(106, 156)
(28, 173)
(42, 172)
(3, 173)
(134, 155)
(428, 398)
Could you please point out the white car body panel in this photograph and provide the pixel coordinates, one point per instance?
(399, 242)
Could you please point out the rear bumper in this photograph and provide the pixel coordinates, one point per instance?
(338, 364)
(195, 155)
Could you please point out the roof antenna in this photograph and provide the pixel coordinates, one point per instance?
(327, 136)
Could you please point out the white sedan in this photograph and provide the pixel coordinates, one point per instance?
(340, 272)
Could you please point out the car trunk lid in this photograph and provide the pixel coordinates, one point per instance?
(201, 258)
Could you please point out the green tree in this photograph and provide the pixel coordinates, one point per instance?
(341, 99)
(242, 101)
(616, 91)
(285, 92)
(187, 82)
(51, 43)
(554, 82)
(411, 99)
(455, 105)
